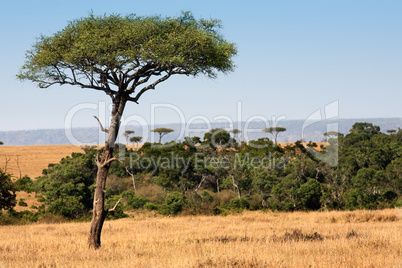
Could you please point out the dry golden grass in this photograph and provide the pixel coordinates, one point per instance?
(29, 198)
(33, 159)
(251, 239)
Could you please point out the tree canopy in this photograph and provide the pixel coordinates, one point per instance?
(217, 137)
(109, 52)
(127, 134)
(162, 131)
(274, 131)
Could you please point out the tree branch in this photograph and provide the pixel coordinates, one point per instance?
(100, 124)
(151, 86)
(115, 206)
(97, 160)
(111, 160)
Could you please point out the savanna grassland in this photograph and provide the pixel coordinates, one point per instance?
(250, 239)
(32, 160)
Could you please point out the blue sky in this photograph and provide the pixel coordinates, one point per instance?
(294, 57)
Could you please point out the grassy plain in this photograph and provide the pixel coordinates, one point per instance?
(250, 239)
(31, 160)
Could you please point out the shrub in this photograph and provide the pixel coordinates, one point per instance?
(7, 192)
(173, 204)
(151, 206)
(310, 195)
(238, 204)
(24, 184)
(133, 201)
(153, 193)
(22, 203)
(119, 211)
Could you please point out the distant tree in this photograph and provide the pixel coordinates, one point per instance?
(192, 141)
(127, 134)
(311, 144)
(235, 132)
(1, 143)
(366, 128)
(217, 137)
(162, 132)
(136, 139)
(332, 134)
(7, 192)
(391, 131)
(125, 57)
(274, 131)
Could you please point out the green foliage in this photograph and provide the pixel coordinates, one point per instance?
(7, 192)
(310, 194)
(217, 137)
(173, 204)
(22, 203)
(24, 184)
(368, 176)
(182, 45)
(67, 186)
(132, 200)
(162, 131)
(274, 131)
(151, 206)
(136, 139)
(238, 204)
(127, 134)
(118, 213)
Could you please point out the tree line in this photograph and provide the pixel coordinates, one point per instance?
(361, 170)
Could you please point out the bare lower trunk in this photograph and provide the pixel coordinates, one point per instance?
(99, 212)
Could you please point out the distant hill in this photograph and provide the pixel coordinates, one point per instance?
(296, 130)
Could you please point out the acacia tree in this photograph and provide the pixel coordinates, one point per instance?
(217, 137)
(127, 134)
(136, 139)
(274, 131)
(125, 56)
(389, 131)
(235, 133)
(162, 131)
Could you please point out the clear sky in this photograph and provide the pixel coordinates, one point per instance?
(294, 57)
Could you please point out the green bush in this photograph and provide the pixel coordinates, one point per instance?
(310, 195)
(173, 204)
(119, 211)
(67, 187)
(22, 203)
(151, 206)
(133, 201)
(24, 184)
(7, 192)
(238, 204)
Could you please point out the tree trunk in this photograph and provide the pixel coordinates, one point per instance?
(99, 213)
